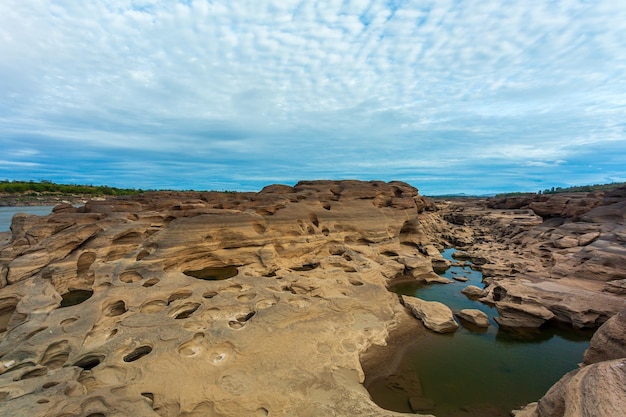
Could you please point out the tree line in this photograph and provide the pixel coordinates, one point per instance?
(573, 189)
(48, 187)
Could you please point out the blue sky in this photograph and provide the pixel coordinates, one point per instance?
(474, 96)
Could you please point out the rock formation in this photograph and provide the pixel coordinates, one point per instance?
(474, 317)
(256, 304)
(208, 304)
(598, 388)
(546, 257)
(435, 316)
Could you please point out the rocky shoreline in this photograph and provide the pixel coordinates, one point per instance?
(270, 303)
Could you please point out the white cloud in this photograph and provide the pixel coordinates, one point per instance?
(519, 82)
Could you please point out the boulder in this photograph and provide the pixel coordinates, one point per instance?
(435, 316)
(595, 390)
(522, 315)
(473, 316)
(609, 342)
(472, 291)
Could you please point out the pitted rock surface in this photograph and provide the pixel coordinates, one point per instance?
(231, 304)
(207, 304)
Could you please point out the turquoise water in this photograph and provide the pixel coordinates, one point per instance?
(475, 372)
(7, 213)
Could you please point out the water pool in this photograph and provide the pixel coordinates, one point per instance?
(475, 372)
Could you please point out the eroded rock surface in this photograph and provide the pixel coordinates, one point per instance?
(436, 316)
(231, 304)
(473, 316)
(546, 257)
(208, 304)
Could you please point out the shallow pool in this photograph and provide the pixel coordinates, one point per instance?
(475, 372)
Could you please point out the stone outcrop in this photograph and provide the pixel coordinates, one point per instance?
(609, 342)
(598, 388)
(230, 304)
(561, 252)
(208, 304)
(473, 316)
(595, 390)
(472, 291)
(435, 316)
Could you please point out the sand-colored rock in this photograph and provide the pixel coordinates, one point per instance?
(472, 291)
(598, 388)
(436, 316)
(473, 316)
(207, 304)
(231, 304)
(609, 342)
(595, 390)
(563, 252)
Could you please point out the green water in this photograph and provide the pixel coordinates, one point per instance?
(475, 372)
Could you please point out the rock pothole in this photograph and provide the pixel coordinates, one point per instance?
(213, 273)
(179, 295)
(153, 306)
(129, 277)
(138, 353)
(184, 311)
(7, 308)
(151, 282)
(56, 355)
(90, 361)
(75, 297)
(114, 309)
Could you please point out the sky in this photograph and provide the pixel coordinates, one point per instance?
(451, 96)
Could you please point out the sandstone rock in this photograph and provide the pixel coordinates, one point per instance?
(609, 342)
(472, 291)
(529, 410)
(595, 390)
(522, 315)
(229, 304)
(435, 316)
(473, 316)
(460, 278)
(616, 287)
(546, 300)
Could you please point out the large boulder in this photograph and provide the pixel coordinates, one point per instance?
(609, 342)
(522, 315)
(436, 316)
(595, 390)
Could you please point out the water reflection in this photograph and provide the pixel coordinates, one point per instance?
(476, 371)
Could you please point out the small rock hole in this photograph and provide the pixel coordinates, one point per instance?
(150, 282)
(89, 362)
(75, 297)
(212, 273)
(138, 353)
(187, 312)
(115, 309)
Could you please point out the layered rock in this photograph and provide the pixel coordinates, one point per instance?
(224, 304)
(598, 388)
(208, 304)
(474, 317)
(609, 342)
(546, 257)
(436, 316)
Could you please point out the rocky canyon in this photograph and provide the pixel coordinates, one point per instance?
(271, 303)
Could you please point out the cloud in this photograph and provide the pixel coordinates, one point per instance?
(488, 95)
